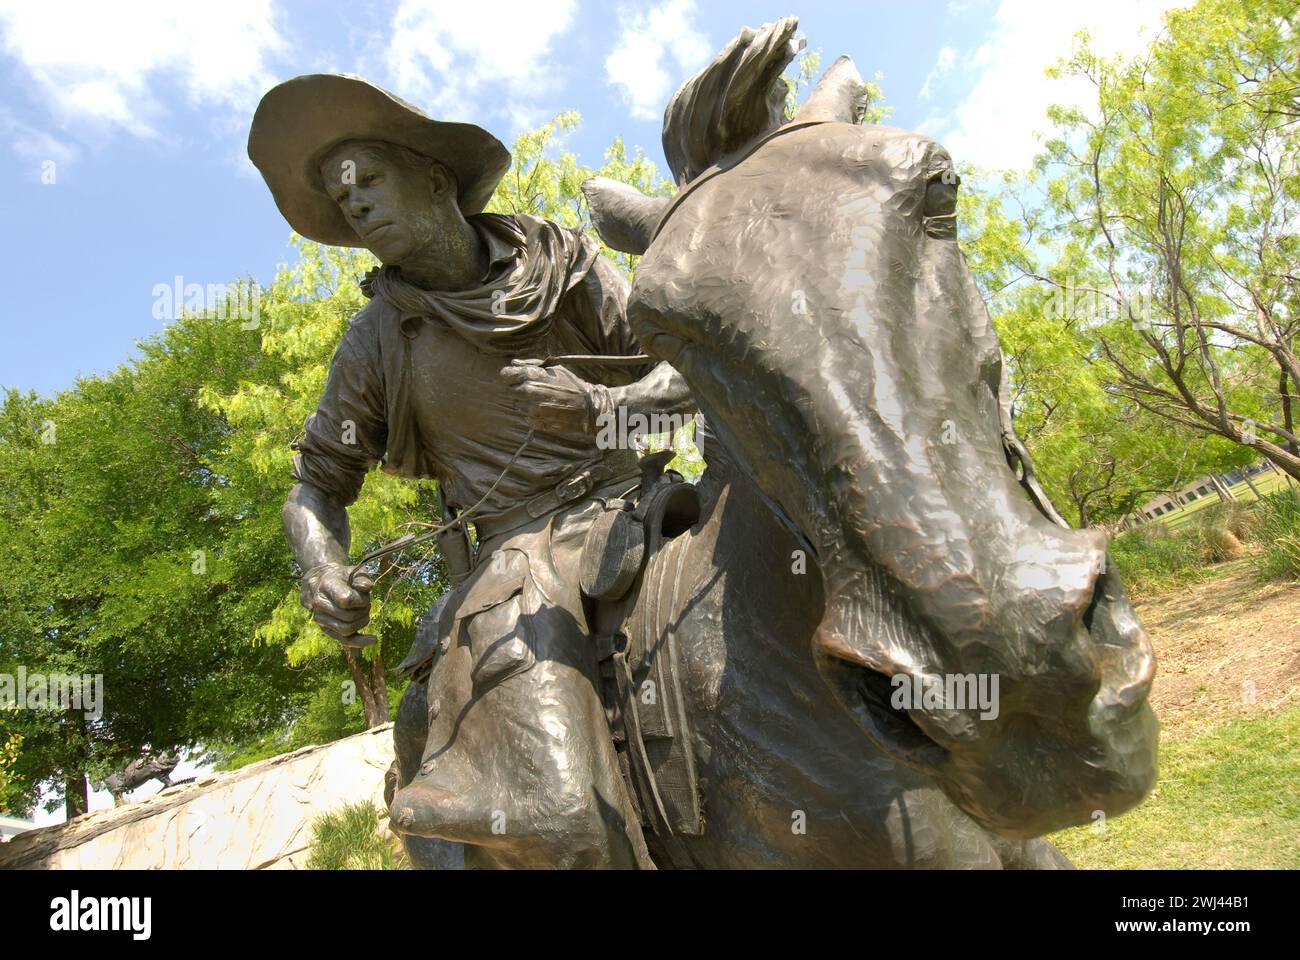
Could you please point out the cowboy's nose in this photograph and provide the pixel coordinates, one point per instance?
(358, 207)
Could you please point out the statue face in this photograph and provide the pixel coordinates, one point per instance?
(397, 210)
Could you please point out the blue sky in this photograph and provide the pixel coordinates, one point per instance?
(139, 112)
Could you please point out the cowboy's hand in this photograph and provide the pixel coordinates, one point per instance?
(555, 401)
(339, 609)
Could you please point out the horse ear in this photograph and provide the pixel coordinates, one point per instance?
(732, 102)
(840, 96)
(624, 217)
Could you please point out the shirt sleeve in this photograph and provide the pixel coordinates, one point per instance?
(348, 434)
(598, 310)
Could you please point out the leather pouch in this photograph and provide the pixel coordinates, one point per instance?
(494, 614)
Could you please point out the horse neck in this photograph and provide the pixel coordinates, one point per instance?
(758, 590)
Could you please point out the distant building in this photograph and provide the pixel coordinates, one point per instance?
(12, 826)
(1201, 487)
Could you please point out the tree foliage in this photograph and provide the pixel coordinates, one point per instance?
(1098, 454)
(118, 560)
(1143, 276)
(1177, 201)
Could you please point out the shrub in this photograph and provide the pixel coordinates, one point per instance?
(1238, 518)
(1218, 531)
(1153, 558)
(1278, 520)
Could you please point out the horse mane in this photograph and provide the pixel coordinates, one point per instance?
(736, 99)
(740, 97)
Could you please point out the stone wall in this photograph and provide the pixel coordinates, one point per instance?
(257, 817)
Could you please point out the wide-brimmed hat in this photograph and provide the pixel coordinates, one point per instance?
(300, 120)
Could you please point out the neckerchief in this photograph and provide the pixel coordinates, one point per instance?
(533, 264)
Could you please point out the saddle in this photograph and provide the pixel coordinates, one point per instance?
(631, 573)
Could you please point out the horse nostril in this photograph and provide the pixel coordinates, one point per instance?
(1098, 594)
(940, 199)
(1120, 648)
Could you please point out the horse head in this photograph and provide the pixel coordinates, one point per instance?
(807, 282)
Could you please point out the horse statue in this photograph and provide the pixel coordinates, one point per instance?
(868, 525)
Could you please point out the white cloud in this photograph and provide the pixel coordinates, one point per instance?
(942, 67)
(996, 124)
(36, 146)
(648, 39)
(102, 64)
(444, 52)
(522, 116)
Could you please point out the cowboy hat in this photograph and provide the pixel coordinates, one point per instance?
(302, 119)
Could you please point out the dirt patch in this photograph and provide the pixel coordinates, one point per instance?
(1228, 647)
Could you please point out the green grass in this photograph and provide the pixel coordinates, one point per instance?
(351, 838)
(1228, 798)
(1160, 556)
(1152, 559)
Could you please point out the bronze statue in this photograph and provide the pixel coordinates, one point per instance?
(154, 766)
(424, 382)
(636, 671)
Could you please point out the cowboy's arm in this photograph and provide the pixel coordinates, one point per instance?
(662, 390)
(318, 533)
(343, 439)
(316, 526)
(557, 400)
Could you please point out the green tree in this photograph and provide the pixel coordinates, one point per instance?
(11, 784)
(1177, 200)
(1097, 453)
(114, 563)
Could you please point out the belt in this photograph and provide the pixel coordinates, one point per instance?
(572, 488)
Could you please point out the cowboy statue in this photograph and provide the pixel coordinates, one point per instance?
(864, 638)
(518, 761)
